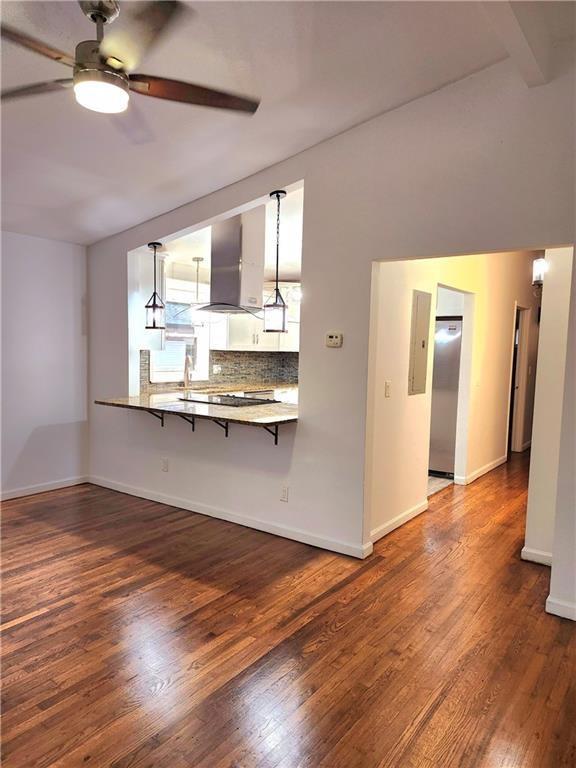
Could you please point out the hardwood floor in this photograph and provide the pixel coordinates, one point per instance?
(139, 635)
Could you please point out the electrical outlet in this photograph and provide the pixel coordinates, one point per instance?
(164, 464)
(334, 339)
(284, 493)
(387, 386)
(216, 369)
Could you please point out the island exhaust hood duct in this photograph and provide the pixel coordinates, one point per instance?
(237, 263)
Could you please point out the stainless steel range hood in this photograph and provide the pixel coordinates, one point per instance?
(237, 263)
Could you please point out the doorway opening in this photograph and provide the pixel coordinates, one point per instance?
(407, 401)
(521, 377)
(447, 385)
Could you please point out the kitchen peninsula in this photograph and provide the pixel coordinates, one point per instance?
(213, 354)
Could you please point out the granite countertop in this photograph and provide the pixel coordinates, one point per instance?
(168, 402)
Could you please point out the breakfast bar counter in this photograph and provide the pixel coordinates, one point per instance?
(269, 416)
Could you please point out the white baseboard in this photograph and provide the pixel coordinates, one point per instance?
(30, 490)
(561, 608)
(461, 480)
(397, 521)
(536, 556)
(523, 447)
(354, 550)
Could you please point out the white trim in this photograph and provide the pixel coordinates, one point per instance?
(561, 608)
(397, 521)
(30, 490)
(459, 480)
(354, 550)
(523, 447)
(536, 556)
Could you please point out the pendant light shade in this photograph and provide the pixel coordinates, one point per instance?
(275, 307)
(275, 314)
(155, 309)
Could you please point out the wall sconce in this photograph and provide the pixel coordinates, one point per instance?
(539, 269)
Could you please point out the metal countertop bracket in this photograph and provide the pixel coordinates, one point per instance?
(157, 415)
(190, 419)
(274, 432)
(223, 424)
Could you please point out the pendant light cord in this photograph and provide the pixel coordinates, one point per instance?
(277, 239)
(154, 269)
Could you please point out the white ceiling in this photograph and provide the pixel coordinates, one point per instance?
(318, 67)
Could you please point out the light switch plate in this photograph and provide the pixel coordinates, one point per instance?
(334, 339)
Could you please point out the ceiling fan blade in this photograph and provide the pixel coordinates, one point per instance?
(35, 89)
(176, 90)
(133, 125)
(147, 25)
(24, 40)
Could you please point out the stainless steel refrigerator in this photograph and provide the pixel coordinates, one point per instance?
(446, 373)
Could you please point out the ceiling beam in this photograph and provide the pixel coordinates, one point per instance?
(524, 34)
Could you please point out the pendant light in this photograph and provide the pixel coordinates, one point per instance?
(197, 261)
(155, 309)
(196, 304)
(275, 307)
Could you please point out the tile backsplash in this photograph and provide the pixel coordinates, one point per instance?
(236, 368)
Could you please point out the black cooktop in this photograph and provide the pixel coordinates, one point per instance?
(234, 401)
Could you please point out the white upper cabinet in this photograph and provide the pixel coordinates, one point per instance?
(242, 332)
(290, 342)
(233, 332)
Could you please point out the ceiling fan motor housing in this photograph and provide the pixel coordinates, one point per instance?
(107, 10)
(89, 66)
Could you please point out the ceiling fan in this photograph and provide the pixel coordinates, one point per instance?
(102, 68)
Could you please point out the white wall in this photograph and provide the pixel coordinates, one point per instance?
(44, 436)
(398, 435)
(548, 418)
(449, 302)
(482, 165)
(562, 598)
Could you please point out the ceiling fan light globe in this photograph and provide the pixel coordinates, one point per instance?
(101, 91)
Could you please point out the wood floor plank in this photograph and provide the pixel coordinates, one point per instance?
(138, 635)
